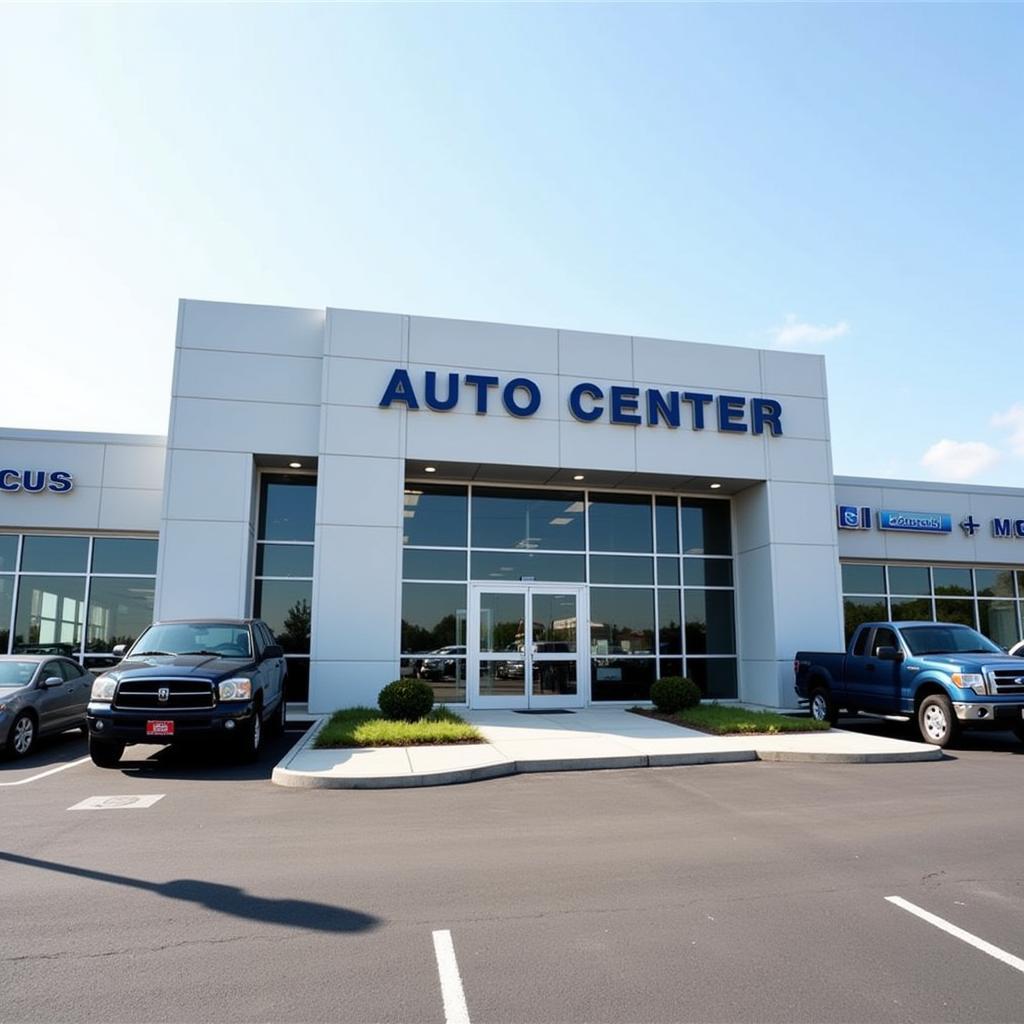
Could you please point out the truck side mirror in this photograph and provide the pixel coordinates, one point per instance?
(272, 651)
(889, 654)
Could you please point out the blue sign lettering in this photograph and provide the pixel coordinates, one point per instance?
(852, 517)
(35, 481)
(576, 405)
(915, 522)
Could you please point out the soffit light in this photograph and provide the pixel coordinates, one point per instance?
(295, 465)
(430, 469)
(578, 476)
(715, 487)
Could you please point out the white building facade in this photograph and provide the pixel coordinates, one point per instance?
(523, 517)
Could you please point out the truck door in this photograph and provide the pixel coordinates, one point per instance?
(881, 679)
(856, 668)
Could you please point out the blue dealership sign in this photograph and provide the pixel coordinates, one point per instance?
(915, 522)
(853, 517)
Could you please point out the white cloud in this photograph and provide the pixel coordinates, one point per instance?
(793, 333)
(1012, 420)
(959, 460)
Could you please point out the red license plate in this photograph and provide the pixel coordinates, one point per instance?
(159, 728)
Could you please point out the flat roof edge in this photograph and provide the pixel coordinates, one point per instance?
(929, 485)
(81, 437)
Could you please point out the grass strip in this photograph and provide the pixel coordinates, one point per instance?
(726, 720)
(365, 727)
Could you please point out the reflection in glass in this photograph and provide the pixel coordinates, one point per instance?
(994, 582)
(907, 609)
(554, 623)
(6, 601)
(128, 556)
(858, 610)
(520, 565)
(952, 582)
(621, 621)
(620, 522)
(284, 559)
(54, 554)
(622, 569)
(430, 564)
(502, 622)
(435, 515)
(998, 621)
(709, 622)
(955, 611)
(502, 678)
(621, 678)
(50, 613)
(670, 634)
(668, 572)
(716, 677)
(296, 686)
(863, 579)
(119, 610)
(706, 527)
(666, 521)
(528, 520)
(433, 616)
(286, 607)
(707, 572)
(670, 667)
(8, 552)
(909, 579)
(554, 678)
(287, 507)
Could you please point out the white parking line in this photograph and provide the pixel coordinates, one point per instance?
(972, 940)
(42, 775)
(455, 1009)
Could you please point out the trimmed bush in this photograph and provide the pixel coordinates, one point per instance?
(406, 700)
(674, 693)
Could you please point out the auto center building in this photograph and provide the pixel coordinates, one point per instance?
(524, 517)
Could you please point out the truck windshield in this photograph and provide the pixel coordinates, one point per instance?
(225, 639)
(941, 639)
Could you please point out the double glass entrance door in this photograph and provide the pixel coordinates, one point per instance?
(528, 645)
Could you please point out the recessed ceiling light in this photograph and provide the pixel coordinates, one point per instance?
(295, 465)
(578, 476)
(430, 469)
(715, 487)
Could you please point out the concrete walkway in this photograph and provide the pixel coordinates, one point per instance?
(587, 739)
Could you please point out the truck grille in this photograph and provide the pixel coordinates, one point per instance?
(1007, 680)
(181, 695)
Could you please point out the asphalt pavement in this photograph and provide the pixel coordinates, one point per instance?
(740, 892)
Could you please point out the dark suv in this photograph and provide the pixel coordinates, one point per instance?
(214, 680)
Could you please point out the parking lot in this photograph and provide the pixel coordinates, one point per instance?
(191, 888)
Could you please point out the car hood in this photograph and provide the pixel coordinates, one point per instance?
(181, 666)
(975, 662)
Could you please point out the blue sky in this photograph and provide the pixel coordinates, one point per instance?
(839, 179)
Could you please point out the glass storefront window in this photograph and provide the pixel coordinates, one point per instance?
(909, 609)
(955, 611)
(621, 522)
(709, 622)
(6, 603)
(668, 572)
(124, 556)
(952, 582)
(527, 520)
(666, 521)
(858, 610)
(994, 582)
(50, 614)
(520, 565)
(621, 678)
(285, 606)
(8, 552)
(54, 554)
(287, 507)
(909, 579)
(998, 621)
(433, 616)
(670, 633)
(435, 515)
(431, 564)
(621, 569)
(119, 610)
(707, 572)
(863, 579)
(621, 621)
(707, 529)
(716, 677)
(284, 560)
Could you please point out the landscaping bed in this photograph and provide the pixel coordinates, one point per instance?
(367, 727)
(726, 720)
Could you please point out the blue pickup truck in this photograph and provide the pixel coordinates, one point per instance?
(943, 676)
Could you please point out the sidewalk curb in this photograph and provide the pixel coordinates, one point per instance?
(285, 776)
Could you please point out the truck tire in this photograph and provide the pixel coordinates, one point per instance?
(250, 738)
(823, 707)
(105, 753)
(936, 721)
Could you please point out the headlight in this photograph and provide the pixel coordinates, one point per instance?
(235, 689)
(970, 681)
(103, 689)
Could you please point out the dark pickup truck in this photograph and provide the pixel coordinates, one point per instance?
(213, 680)
(943, 676)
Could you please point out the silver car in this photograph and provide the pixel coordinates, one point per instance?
(40, 694)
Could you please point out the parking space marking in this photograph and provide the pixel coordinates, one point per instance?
(116, 803)
(455, 1009)
(972, 940)
(42, 775)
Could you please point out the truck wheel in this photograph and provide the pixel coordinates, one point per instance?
(22, 737)
(823, 707)
(936, 721)
(251, 738)
(105, 753)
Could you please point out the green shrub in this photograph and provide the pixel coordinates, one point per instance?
(674, 693)
(406, 700)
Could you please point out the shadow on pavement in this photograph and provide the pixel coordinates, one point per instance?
(206, 762)
(51, 752)
(989, 740)
(224, 899)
